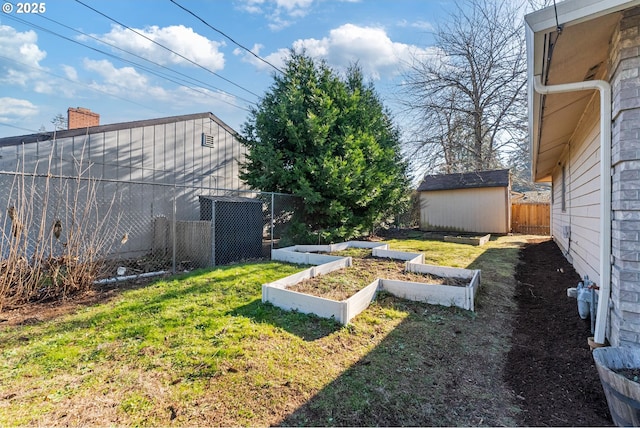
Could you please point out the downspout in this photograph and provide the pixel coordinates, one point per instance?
(605, 189)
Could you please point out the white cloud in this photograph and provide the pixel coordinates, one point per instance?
(188, 98)
(252, 6)
(279, 13)
(276, 58)
(420, 25)
(12, 108)
(22, 48)
(70, 72)
(20, 66)
(295, 8)
(15, 44)
(178, 38)
(370, 47)
(127, 83)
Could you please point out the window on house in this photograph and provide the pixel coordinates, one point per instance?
(207, 140)
(564, 189)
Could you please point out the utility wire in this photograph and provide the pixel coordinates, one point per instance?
(225, 35)
(146, 59)
(166, 48)
(78, 83)
(148, 70)
(75, 82)
(17, 127)
(555, 10)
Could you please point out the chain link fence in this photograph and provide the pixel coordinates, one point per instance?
(51, 225)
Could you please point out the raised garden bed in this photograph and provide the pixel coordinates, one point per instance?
(348, 300)
(365, 268)
(472, 240)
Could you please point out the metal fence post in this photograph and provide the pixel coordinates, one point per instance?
(173, 232)
(272, 223)
(213, 233)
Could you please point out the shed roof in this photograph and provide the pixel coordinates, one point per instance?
(49, 135)
(466, 180)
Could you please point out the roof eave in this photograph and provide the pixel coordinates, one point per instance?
(537, 27)
(65, 133)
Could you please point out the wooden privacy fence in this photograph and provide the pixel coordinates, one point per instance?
(531, 218)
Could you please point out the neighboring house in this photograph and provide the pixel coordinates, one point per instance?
(466, 202)
(584, 122)
(145, 164)
(196, 150)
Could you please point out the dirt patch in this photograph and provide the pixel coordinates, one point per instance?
(631, 373)
(344, 283)
(36, 312)
(549, 366)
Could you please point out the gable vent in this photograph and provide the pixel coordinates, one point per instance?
(207, 140)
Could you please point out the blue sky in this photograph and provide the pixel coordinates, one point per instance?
(72, 56)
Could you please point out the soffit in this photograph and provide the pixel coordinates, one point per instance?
(580, 52)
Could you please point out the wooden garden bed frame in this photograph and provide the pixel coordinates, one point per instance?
(278, 294)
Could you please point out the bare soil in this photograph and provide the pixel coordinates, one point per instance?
(344, 283)
(49, 309)
(550, 367)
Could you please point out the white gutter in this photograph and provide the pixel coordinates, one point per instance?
(605, 189)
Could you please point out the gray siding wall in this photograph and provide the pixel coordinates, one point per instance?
(582, 165)
(576, 228)
(167, 153)
(170, 153)
(625, 281)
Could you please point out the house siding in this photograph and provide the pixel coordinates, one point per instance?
(581, 162)
(481, 210)
(624, 326)
(167, 153)
(151, 152)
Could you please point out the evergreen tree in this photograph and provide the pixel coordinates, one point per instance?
(331, 142)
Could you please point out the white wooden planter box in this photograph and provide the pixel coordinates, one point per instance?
(445, 295)
(472, 240)
(343, 311)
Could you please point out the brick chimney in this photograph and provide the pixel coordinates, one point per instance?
(82, 118)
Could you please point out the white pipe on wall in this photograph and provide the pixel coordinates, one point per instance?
(605, 189)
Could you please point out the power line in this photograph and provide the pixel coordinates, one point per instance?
(145, 59)
(225, 35)
(75, 83)
(18, 127)
(168, 49)
(121, 59)
(78, 83)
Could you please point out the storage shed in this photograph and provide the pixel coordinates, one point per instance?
(478, 202)
(236, 227)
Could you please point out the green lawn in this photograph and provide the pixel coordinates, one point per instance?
(201, 349)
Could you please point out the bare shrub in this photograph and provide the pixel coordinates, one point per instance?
(55, 235)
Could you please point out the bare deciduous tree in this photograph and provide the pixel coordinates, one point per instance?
(60, 122)
(468, 101)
